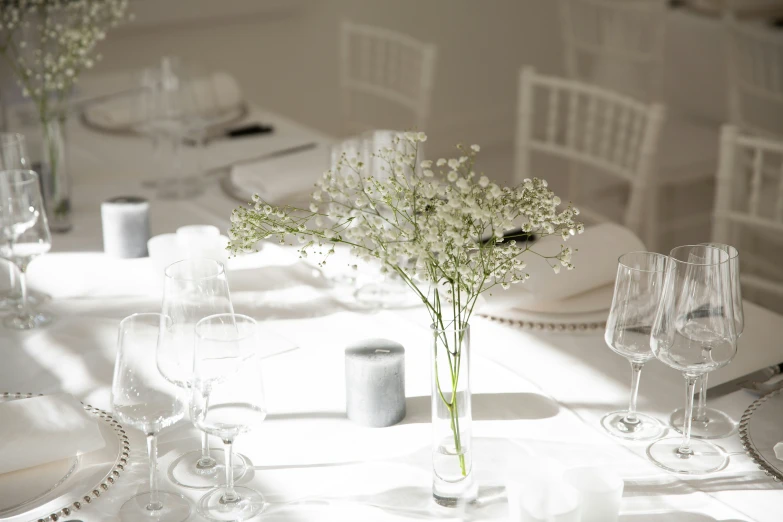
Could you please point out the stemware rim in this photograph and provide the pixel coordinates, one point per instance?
(680, 261)
(239, 337)
(221, 270)
(33, 178)
(636, 269)
(138, 315)
(732, 251)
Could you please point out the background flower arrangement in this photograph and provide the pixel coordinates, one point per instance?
(46, 45)
(438, 225)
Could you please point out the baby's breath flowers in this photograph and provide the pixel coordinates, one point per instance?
(439, 225)
(48, 43)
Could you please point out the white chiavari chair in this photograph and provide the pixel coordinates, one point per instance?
(385, 77)
(593, 127)
(621, 45)
(755, 76)
(749, 206)
(616, 44)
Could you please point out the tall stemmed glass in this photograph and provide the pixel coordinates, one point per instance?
(709, 423)
(143, 399)
(637, 292)
(23, 223)
(694, 332)
(193, 289)
(228, 399)
(13, 156)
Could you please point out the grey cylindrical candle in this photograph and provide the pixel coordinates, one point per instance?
(126, 226)
(375, 382)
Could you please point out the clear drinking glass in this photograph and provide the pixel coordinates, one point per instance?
(637, 292)
(694, 332)
(24, 225)
(143, 399)
(192, 290)
(709, 423)
(228, 400)
(13, 156)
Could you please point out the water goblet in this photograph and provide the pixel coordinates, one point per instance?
(709, 423)
(25, 229)
(228, 400)
(192, 289)
(637, 291)
(13, 156)
(143, 399)
(694, 332)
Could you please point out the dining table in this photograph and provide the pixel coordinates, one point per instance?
(538, 394)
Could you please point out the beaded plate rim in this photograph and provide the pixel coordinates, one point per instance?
(547, 326)
(105, 482)
(747, 443)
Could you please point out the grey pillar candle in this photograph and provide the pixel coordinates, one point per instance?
(375, 382)
(126, 226)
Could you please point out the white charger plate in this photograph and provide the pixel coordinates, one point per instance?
(57, 489)
(586, 311)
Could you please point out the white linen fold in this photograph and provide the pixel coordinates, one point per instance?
(44, 429)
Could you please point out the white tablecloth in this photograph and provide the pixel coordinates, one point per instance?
(536, 394)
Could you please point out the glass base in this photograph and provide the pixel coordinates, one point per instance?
(185, 188)
(27, 322)
(34, 300)
(646, 427)
(704, 457)
(453, 494)
(214, 507)
(185, 471)
(716, 424)
(173, 508)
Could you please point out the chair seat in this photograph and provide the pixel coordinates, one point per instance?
(687, 152)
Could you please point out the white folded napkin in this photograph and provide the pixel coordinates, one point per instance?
(220, 93)
(285, 180)
(45, 429)
(595, 262)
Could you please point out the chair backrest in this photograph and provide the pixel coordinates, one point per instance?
(755, 77)
(383, 67)
(749, 204)
(617, 44)
(588, 125)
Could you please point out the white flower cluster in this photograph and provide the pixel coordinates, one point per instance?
(439, 225)
(47, 43)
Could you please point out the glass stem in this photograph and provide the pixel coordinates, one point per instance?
(700, 414)
(636, 374)
(23, 305)
(152, 449)
(685, 447)
(229, 496)
(205, 458)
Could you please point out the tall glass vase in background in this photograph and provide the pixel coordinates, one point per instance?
(452, 459)
(51, 162)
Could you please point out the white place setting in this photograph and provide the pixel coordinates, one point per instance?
(211, 312)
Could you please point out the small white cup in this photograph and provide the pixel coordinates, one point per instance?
(548, 499)
(600, 492)
(163, 250)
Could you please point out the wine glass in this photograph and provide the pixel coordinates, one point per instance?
(13, 156)
(694, 332)
(637, 291)
(709, 423)
(23, 224)
(143, 399)
(193, 289)
(228, 400)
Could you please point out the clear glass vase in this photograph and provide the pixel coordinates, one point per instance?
(51, 163)
(452, 462)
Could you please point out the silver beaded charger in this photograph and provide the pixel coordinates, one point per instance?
(760, 429)
(65, 500)
(543, 326)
